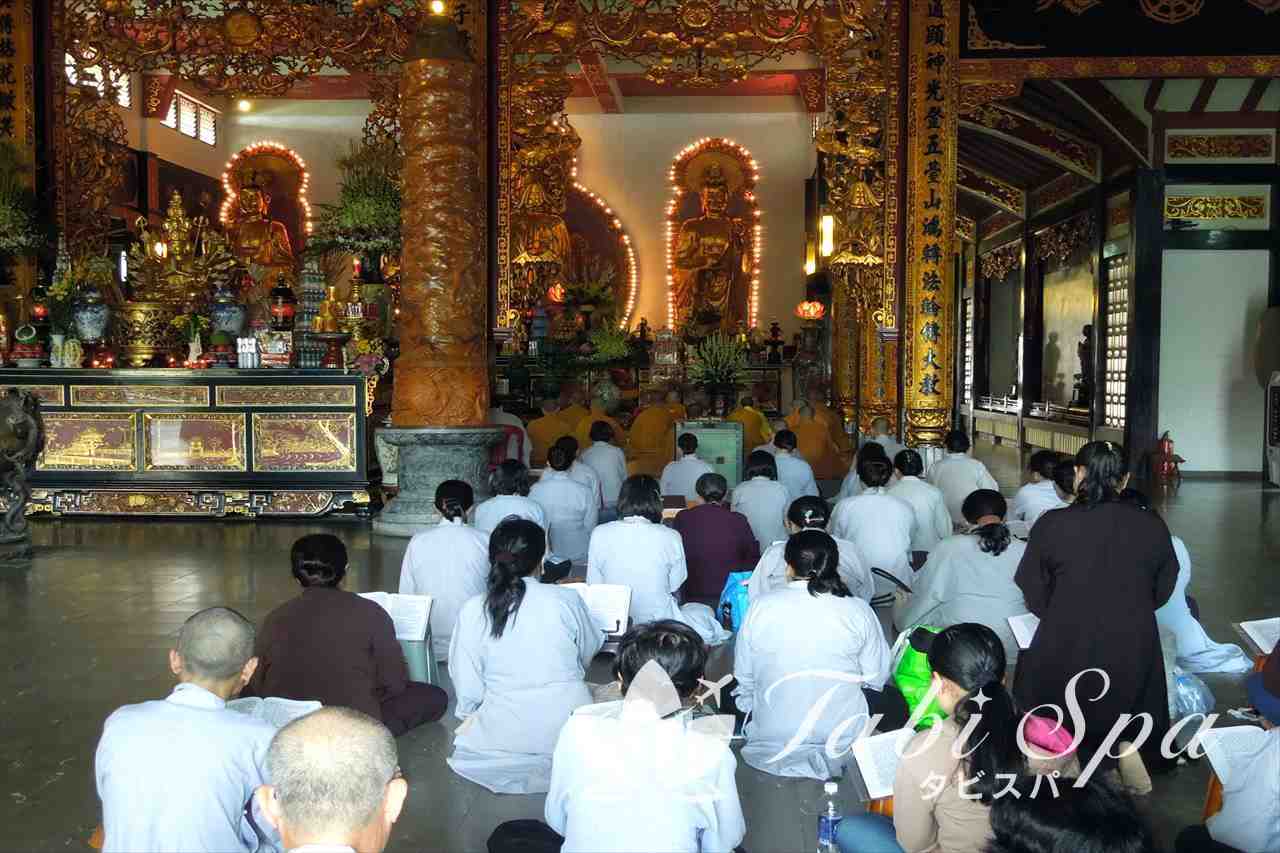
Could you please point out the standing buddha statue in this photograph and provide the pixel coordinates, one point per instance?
(258, 242)
(712, 264)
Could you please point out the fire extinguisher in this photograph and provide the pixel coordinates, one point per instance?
(1165, 467)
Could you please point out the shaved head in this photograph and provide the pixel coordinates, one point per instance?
(330, 771)
(216, 643)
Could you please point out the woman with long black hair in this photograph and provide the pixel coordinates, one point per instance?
(969, 577)
(1095, 573)
(517, 659)
(945, 785)
(793, 640)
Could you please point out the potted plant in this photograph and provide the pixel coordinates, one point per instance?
(366, 219)
(719, 365)
(20, 230)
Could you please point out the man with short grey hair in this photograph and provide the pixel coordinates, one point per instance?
(336, 783)
(176, 773)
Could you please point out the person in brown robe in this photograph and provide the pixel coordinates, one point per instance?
(1095, 573)
(334, 646)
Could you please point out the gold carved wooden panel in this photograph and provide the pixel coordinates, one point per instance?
(294, 442)
(193, 442)
(48, 395)
(268, 396)
(78, 441)
(139, 395)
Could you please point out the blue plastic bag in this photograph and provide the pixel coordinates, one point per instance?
(735, 596)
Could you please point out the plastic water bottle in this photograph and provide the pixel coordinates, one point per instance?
(828, 819)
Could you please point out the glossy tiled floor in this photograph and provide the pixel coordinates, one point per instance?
(86, 626)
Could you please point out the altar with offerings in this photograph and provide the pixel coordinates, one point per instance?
(198, 443)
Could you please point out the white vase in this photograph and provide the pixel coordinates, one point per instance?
(56, 343)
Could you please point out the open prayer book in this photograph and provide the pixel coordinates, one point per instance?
(1231, 748)
(610, 604)
(1264, 632)
(878, 757)
(274, 710)
(410, 613)
(1024, 628)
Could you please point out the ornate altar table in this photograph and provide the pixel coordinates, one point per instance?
(194, 443)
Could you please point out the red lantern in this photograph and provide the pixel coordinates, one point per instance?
(811, 310)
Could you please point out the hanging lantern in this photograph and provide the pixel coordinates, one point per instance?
(811, 310)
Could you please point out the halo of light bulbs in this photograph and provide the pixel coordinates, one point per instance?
(266, 147)
(615, 225)
(678, 165)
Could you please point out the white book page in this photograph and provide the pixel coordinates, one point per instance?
(409, 613)
(274, 710)
(1264, 632)
(878, 758)
(1024, 628)
(609, 604)
(1230, 749)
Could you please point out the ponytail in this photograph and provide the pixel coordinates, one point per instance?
(814, 556)
(993, 538)
(972, 656)
(1105, 467)
(516, 548)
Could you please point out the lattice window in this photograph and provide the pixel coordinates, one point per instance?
(967, 319)
(1117, 340)
(192, 118)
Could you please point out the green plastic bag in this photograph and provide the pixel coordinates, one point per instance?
(912, 673)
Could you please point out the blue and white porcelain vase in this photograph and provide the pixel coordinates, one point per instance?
(90, 315)
(225, 313)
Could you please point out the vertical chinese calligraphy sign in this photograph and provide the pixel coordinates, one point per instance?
(928, 319)
(18, 101)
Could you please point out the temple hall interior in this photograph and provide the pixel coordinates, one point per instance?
(613, 402)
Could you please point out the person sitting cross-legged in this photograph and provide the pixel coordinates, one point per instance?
(681, 476)
(335, 783)
(643, 773)
(336, 647)
(175, 773)
(717, 541)
(510, 485)
(793, 471)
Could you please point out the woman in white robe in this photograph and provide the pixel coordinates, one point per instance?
(969, 577)
(933, 522)
(809, 650)
(448, 562)
(1196, 652)
(1040, 494)
(641, 774)
(517, 660)
(571, 509)
(762, 499)
(641, 553)
(880, 524)
(509, 483)
(809, 513)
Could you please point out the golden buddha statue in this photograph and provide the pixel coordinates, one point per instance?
(712, 257)
(254, 238)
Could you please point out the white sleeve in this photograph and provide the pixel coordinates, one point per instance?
(595, 551)
(678, 568)
(744, 693)
(985, 480)
(664, 484)
(756, 584)
(811, 487)
(466, 664)
(593, 510)
(874, 657)
(563, 763)
(942, 523)
(408, 586)
(729, 826)
(837, 525)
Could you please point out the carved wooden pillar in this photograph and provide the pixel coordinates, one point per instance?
(442, 377)
(928, 327)
(17, 108)
(845, 326)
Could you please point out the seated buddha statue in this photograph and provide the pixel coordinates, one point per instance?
(712, 263)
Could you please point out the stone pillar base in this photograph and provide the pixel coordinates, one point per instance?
(428, 457)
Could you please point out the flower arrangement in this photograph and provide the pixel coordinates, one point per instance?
(366, 219)
(20, 229)
(719, 361)
(192, 325)
(609, 344)
(81, 272)
(368, 357)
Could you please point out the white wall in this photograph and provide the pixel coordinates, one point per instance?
(148, 134)
(1209, 396)
(320, 131)
(625, 159)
